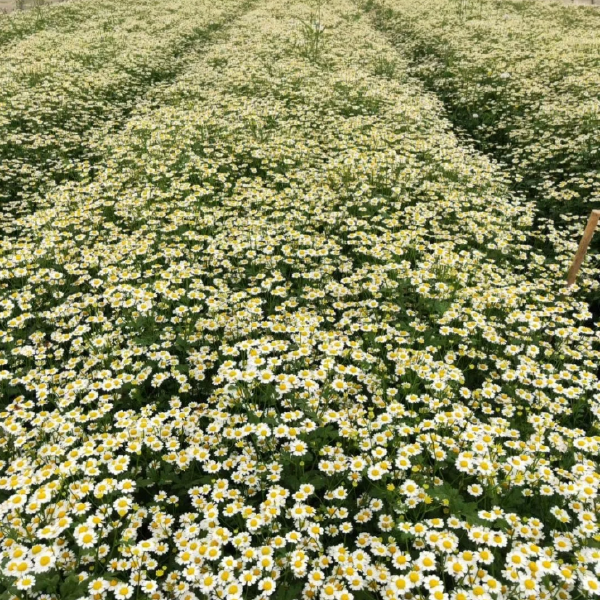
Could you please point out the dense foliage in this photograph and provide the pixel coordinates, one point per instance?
(67, 87)
(286, 335)
(520, 76)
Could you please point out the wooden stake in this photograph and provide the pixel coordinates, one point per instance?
(583, 246)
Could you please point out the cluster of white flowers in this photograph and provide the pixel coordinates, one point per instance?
(523, 78)
(291, 338)
(77, 77)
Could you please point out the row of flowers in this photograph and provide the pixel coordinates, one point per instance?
(69, 85)
(521, 78)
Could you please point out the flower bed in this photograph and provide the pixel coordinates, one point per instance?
(64, 89)
(22, 24)
(294, 340)
(523, 79)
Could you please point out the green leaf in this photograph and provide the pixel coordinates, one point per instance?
(145, 482)
(289, 592)
(292, 482)
(456, 503)
(72, 588)
(314, 478)
(47, 584)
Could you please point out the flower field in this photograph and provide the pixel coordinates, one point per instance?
(522, 78)
(272, 327)
(74, 81)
